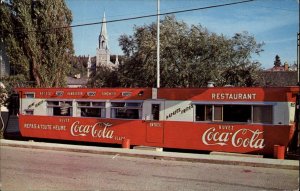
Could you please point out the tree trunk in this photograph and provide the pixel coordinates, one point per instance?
(35, 73)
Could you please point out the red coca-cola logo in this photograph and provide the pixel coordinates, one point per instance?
(240, 138)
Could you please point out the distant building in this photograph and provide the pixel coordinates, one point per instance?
(285, 67)
(103, 58)
(77, 81)
(278, 78)
(103, 53)
(293, 67)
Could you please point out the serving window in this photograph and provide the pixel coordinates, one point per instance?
(262, 114)
(59, 108)
(234, 113)
(91, 109)
(126, 110)
(237, 113)
(203, 112)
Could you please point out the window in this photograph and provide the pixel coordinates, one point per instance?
(82, 104)
(218, 113)
(203, 112)
(59, 108)
(200, 112)
(29, 95)
(29, 112)
(98, 104)
(91, 109)
(126, 110)
(235, 113)
(263, 114)
(155, 112)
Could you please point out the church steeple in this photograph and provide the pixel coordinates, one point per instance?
(103, 38)
(103, 53)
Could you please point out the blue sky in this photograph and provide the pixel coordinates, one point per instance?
(274, 22)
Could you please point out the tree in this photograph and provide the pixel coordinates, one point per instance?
(37, 47)
(104, 77)
(277, 61)
(190, 56)
(79, 65)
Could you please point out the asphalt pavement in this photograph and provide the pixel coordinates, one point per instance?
(217, 158)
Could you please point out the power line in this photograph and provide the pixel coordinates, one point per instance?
(145, 16)
(167, 13)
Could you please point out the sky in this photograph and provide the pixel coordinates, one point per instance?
(274, 22)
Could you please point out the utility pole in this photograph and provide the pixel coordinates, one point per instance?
(296, 138)
(298, 46)
(157, 53)
(298, 54)
(295, 142)
(298, 69)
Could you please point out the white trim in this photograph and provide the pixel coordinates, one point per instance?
(232, 103)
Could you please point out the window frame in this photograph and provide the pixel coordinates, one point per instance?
(126, 106)
(271, 112)
(213, 120)
(214, 113)
(50, 108)
(91, 105)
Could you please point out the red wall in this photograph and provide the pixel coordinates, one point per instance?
(185, 135)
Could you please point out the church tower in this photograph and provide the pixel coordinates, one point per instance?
(103, 54)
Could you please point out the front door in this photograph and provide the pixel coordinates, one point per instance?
(155, 127)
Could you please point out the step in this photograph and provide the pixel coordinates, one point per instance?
(147, 148)
(236, 154)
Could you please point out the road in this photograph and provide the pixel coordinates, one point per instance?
(36, 169)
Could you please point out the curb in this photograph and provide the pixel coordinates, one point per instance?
(188, 157)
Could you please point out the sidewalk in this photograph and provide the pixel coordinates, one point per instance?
(203, 158)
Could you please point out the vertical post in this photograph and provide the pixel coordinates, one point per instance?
(298, 95)
(157, 53)
(298, 46)
(298, 59)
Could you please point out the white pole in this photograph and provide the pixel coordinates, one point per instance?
(298, 59)
(158, 65)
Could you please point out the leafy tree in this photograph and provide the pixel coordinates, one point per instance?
(104, 77)
(190, 56)
(277, 61)
(37, 47)
(79, 65)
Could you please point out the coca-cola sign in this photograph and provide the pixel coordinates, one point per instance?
(227, 135)
(97, 130)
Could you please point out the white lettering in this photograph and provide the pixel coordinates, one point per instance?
(253, 142)
(233, 96)
(240, 138)
(216, 137)
(99, 130)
